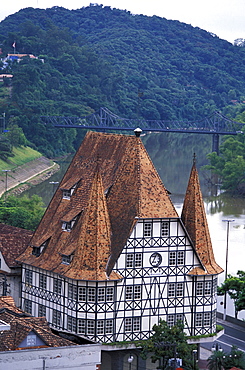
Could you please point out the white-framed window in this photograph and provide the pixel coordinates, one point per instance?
(56, 318)
(206, 318)
(171, 290)
(128, 324)
(101, 295)
(28, 277)
(82, 294)
(136, 324)
(133, 292)
(147, 229)
(171, 320)
(164, 228)
(41, 310)
(67, 193)
(130, 260)
(198, 319)
(132, 324)
(42, 281)
(57, 285)
(72, 291)
(179, 290)
(91, 294)
(179, 317)
(109, 294)
(207, 287)
(71, 323)
(138, 260)
(180, 258)
(214, 285)
(137, 292)
(100, 327)
(134, 260)
(172, 258)
(81, 326)
(31, 340)
(199, 288)
(90, 327)
(109, 326)
(28, 306)
(129, 293)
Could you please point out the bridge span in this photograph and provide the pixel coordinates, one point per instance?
(104, 120)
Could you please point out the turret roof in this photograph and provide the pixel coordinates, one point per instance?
(195, 221)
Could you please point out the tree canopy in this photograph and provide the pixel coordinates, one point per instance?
(22, 211)
(235, 287)
(168, 343)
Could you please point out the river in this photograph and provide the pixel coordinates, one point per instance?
(172, 156)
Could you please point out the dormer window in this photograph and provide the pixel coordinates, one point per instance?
(67, 193)
(66, 260)
(36, 251)
(68, 225)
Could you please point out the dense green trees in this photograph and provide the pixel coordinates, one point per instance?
(168, 343)
(22, 212)
(235, 287)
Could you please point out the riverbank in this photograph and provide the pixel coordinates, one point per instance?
(27, 175)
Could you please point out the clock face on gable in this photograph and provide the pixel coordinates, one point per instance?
(155, 259)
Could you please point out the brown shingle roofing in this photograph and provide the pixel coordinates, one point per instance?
(13, 241)
(194, 219)
(21, 325)
(134, 189)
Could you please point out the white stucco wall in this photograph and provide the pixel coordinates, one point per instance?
(84, 357)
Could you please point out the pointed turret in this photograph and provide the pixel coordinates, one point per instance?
(194, 219)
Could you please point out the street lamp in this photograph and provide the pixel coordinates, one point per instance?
(194, 352)
(130, 360)
(6, 181)
(226, 262)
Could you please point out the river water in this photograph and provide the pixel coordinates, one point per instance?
(172, 157)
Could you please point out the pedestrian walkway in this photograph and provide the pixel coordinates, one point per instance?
(11, 179)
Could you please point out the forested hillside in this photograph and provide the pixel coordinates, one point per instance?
(97, 56)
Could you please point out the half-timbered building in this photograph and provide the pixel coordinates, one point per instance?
(111, 255)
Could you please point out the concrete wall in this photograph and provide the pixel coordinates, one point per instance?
(85, 357)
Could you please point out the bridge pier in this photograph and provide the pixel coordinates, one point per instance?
(215, 146)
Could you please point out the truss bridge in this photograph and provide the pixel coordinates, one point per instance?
(105, 120)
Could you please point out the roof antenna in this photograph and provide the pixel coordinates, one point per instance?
(137, 132)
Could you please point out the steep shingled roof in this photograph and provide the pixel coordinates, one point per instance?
(21, 325)
(133, 189)
(194, 219)
(13, 241)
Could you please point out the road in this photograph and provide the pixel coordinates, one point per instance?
(234, 336)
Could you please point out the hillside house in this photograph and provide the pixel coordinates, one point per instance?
(111, 255)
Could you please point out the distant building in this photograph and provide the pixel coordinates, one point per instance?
(111, 256)
(13, 241)
(28, 343)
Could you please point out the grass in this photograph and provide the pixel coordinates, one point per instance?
(21, 156)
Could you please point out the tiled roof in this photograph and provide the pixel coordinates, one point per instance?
(194, 219)
(119, 167)
(13, 241)
(21, 325)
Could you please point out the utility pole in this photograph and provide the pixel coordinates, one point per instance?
(226, 262)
